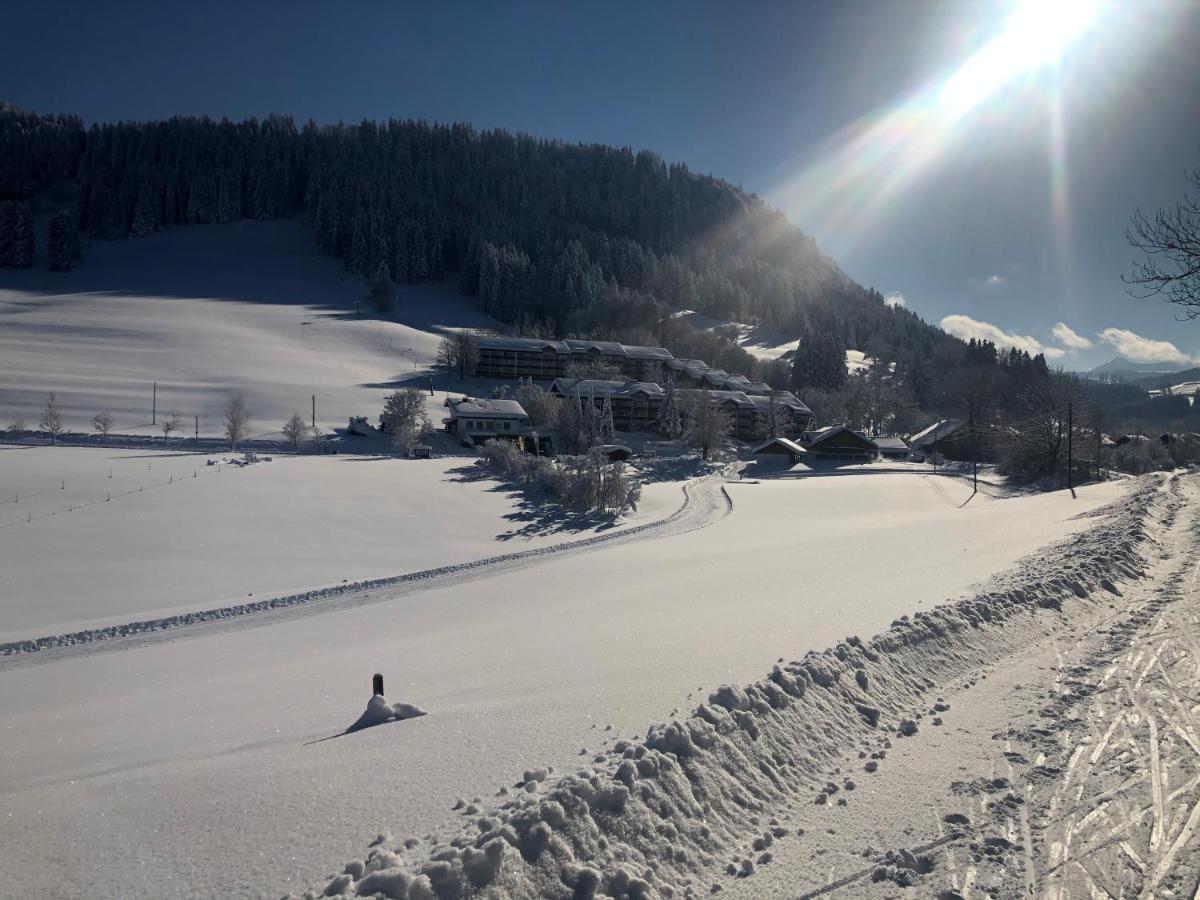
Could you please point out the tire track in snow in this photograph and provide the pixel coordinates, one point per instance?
(705, 501)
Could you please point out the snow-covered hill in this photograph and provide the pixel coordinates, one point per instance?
(206, 311)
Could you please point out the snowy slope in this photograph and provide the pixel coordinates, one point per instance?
(186, 768)
(206, 311)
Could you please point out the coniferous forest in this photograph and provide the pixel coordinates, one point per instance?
(556, 239)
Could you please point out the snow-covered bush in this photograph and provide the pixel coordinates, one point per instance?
(587, 482)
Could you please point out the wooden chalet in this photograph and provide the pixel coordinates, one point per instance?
(779, 451)
(840, 443)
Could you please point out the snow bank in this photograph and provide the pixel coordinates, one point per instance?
(658, 817)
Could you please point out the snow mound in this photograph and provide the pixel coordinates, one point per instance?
(379, 711)
(658, 817)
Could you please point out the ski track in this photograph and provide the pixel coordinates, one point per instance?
(705, 501)
(1128, 804)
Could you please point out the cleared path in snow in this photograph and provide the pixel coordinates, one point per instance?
(187, 768)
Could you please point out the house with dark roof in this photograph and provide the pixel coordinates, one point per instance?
(947, 437)
(779, 451)
(892, 447)
(839, 442)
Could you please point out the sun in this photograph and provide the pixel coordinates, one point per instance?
(1035, 36)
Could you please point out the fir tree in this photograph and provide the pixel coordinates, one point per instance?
(383, 292)
(820, 363)
(147, 214)
(608, 429)
(62, 242)
(8, 231)
(669, 422)
(16, 235)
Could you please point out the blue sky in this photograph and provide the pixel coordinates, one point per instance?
(1006, 222)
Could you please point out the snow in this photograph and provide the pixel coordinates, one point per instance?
(187, 766)
(167, 533)
(207, 311)
(229, 755)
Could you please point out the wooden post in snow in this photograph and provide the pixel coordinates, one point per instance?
(377, 685)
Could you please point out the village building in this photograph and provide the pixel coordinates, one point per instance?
(948, 438)
(476, 421)
(546, 360)
(779, 451)
(636, 405)
(892, 447)
(840, 443)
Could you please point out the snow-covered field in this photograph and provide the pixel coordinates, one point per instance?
(167, 533)
(207, 311)
(185, 764)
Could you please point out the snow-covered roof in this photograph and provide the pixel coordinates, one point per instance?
(934, 433)
(497, 409)
(890, 443)
(737, 398)
(532, 345)
(823, 434)
(585, 387)
(782, 398)
(782, 442)
(660, 353)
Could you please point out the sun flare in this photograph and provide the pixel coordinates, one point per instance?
(1035, 36)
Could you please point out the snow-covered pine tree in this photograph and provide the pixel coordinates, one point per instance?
(608, 429)
(669, 422)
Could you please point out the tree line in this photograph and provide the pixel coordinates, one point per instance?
(554, 238)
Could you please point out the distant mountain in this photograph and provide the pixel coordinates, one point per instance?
(1120, 368)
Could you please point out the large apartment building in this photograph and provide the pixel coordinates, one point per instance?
(543, 360)
(507, 357)
(636, 406)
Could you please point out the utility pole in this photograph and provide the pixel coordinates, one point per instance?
(974, 460)
(197, 419)
(154, 405)
(1070, 447)
(314, 408)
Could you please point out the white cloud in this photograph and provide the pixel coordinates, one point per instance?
(1068, 337)
(1144, 350)
(966, 328)
(988, 283)
(894, 298)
